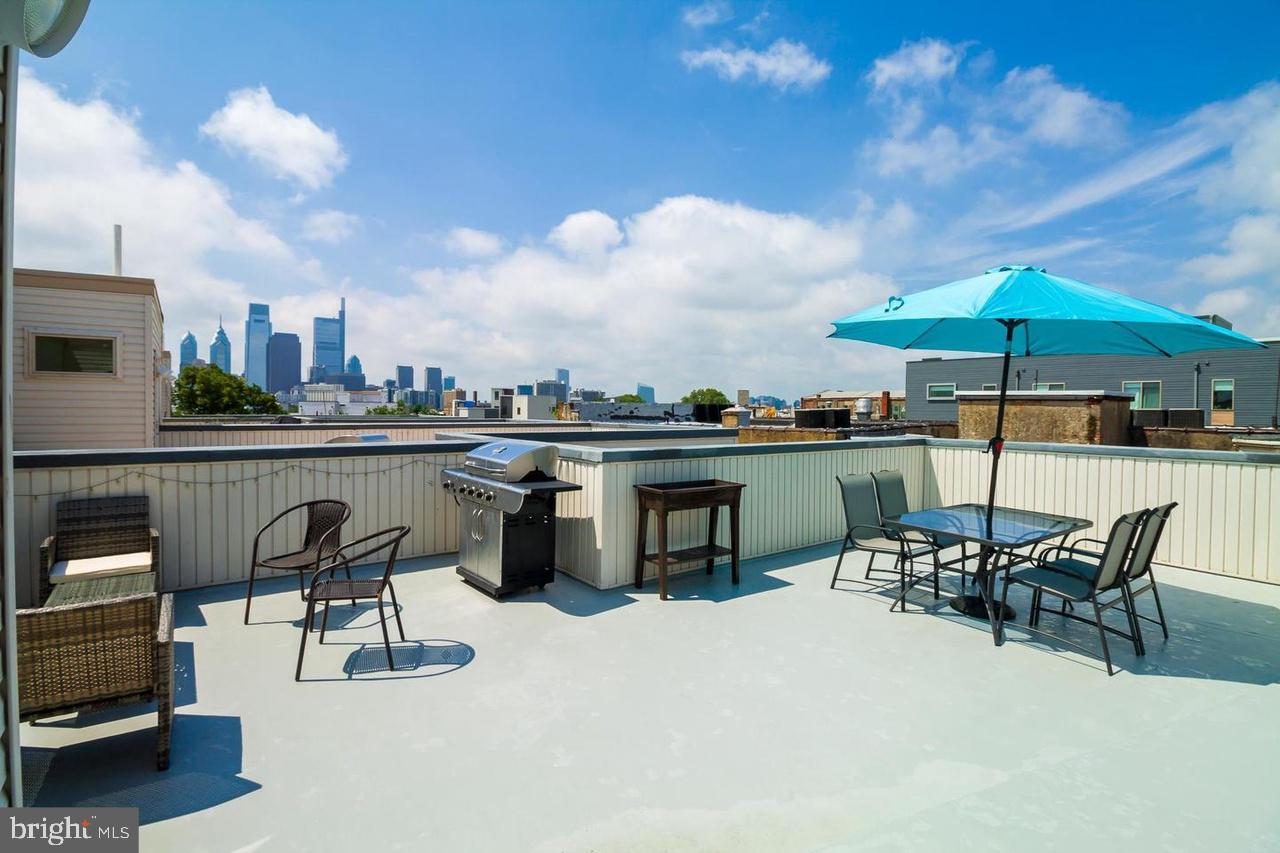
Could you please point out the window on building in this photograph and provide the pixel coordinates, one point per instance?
(1224, 395)
(67, 354)
(1145, 393)
(940, 391)
(990, 386)
(1049, 386)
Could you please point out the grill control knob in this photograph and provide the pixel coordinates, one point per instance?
(489, 496)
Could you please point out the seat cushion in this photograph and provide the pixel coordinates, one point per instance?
(86, 568)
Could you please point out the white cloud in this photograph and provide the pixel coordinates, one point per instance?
(288, 145)
(1055, 114)
(472, 242)
(941, 132)
(706, 14)
(589, 232)
(85, 165)
(329, 226)
(918, 63)
(783, 65)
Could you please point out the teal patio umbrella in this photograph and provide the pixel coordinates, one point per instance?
(1024, 309)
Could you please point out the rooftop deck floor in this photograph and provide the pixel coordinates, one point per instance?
(780, 715)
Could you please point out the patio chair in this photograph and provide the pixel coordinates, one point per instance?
(1063, 572)
(865, 531)
(325, 588)
(891, 495)
(97, 538)
(1139, 577)
(98, 654)
(320, 540)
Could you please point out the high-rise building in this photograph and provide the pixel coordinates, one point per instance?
(220, 349)
(404, 376)
(284, 362)
(450, 382)
(644, 392)
(329, 341)
(434, 387)
(188, 351)
(552, 388)
(562, 376)
(257, 331)
(354, 365)
(348, 381)
(526, 390)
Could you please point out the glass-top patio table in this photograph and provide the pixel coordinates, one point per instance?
(1009, 530)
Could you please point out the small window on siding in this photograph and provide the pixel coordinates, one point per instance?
(1146, 394)
(1224, 395)
(1049, 386)
(940, 391)
(990, 386)
(67, 354)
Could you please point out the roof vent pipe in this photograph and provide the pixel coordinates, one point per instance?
(118, 268)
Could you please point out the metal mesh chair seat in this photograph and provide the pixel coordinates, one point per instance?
(335, 589)
(1061, 583)
(296, 561)
(884, 545)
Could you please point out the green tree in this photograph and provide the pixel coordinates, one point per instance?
(713, 396)
(628, 398)
(208, 391)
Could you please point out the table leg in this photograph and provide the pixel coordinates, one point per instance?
(662, 554)
(980, 606)
(734, 538)
(712, 516)
(642, 534)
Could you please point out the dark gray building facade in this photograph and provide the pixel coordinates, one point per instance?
(1232, 387)
(284, 361)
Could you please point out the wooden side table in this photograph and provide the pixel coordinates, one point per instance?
(664, 498)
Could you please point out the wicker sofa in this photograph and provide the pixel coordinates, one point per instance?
(84, 657)
(100, 531)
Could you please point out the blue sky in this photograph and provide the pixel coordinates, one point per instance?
(682, 194)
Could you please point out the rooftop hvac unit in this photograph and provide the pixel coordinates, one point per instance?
(1150, 417)
(1186, 418)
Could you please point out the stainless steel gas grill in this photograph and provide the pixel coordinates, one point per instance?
(506, 493)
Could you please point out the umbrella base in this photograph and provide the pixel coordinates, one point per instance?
(974, 607)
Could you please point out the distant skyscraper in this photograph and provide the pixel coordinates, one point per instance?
(644, 392)
(562, 376)
(354, 365)
(284, 362)
(257, 331)
(434, 387)
(450, 382)
(220, 349)
(329, 341)
(188, 351)
(404, 376)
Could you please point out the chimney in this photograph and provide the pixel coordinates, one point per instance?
(119, 260)
(886, 405)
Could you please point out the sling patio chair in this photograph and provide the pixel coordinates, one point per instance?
(324, 520)
(891, 495)
(326, 588)
(1139, 577)
(1063, 572)
(866, 532)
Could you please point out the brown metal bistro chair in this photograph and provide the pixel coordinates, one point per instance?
(326, 588)
(325, 518)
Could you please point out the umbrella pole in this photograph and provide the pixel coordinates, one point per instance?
(996, 445)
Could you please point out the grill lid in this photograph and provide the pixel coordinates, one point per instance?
(513, 461)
